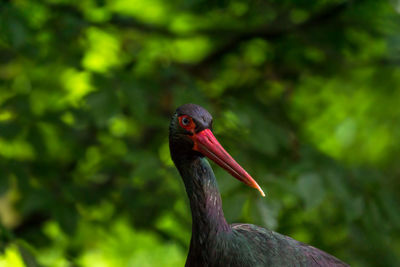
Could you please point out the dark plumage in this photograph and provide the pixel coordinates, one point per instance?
(214, 242)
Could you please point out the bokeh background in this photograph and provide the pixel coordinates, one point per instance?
(305, 95)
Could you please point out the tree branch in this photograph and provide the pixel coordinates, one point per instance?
(272, 33)
(234, 37)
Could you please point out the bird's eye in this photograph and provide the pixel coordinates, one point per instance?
(185, 121)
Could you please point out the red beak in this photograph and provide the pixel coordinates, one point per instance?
(206, 143)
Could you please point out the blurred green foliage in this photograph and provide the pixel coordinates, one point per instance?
(305, 94)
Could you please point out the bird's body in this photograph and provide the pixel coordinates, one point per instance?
(214, 242)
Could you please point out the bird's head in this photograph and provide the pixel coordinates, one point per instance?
(191, 135)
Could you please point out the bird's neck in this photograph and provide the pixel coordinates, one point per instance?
(205, 201)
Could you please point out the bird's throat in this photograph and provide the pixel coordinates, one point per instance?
(205, 200)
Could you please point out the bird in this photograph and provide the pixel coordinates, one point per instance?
(214, 242)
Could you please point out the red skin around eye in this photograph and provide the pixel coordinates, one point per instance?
(190, 126)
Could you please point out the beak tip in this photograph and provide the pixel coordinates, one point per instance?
(261, 191)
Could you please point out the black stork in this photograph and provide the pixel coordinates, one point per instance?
(214, 242)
